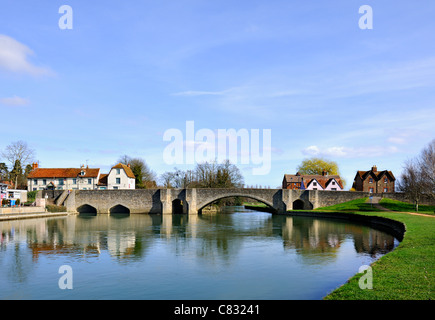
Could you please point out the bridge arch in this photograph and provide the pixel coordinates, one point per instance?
(300, 204)
(86, 208)
(119, 208)
(209, 201)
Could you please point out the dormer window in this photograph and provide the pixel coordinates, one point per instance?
(82, 173)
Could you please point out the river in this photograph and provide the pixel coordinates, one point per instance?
(238, 254)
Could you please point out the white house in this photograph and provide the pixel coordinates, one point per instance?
(84, 178)
(120, 177)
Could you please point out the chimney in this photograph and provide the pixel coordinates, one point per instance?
(34, 165)
(324, 173)
(128, 165)
(374, 169)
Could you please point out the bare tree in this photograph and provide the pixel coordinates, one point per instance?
(18, 150)
(418, 177)
(19, 154)
(426, 163)
(412, 182)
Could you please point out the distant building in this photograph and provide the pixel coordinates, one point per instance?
(312, 182)
(374, 181)
(84, 178)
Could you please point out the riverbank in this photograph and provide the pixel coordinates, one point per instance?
(406, 273)
(19, 216)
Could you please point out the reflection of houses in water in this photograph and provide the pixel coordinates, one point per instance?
(315, 235)
(308, 235)
(373, 242)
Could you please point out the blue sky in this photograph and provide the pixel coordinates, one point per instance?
(126, 73)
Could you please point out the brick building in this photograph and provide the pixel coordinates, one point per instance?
(374, 181)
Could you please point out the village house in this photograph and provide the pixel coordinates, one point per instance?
(323, 182)
(374, 181)
(83, 178)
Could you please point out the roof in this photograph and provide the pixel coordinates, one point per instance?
(127, 170)
(323, 180)
(375, 174)
(63, 173)
(102, 181)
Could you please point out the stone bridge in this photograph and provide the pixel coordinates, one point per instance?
(192, 201)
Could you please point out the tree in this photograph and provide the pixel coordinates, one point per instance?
(17, 172)
(18, 150)
(418, 176)
(145, 177)
(4, 173)
(318, 166)
(426, 163)
(412, 182)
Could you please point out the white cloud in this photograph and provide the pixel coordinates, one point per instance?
(14, 57)
(14, 101)
(344, 152)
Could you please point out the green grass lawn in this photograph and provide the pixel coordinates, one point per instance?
(407, 272)
(395, 205)
(354, 205)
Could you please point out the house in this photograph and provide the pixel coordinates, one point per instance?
(120, 177)
(312, 182)
(374, 181)
(83, 178)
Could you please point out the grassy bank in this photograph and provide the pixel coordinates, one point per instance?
(406, 273)
(395, 205)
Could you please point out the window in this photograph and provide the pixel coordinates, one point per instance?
(370, 180)
(314, 184)
(333, 183)
(371, 190)
(118, 171)
(60, 182)
(118, 180)
(35, 181)
(385, 189)
(115, 188)
(74, 181)
(386, 180)
(89, 181)
(44, 182)
(334, 189)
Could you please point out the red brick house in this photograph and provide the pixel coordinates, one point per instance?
(374, 181)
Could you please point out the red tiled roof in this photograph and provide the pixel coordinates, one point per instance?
(321, 179)
(62, 173)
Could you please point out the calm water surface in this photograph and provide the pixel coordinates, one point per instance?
(241, 254)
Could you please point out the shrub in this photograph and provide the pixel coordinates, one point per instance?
(54, 208)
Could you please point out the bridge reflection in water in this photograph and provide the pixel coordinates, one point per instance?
(129, 236)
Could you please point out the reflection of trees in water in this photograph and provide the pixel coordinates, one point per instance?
(212, 238)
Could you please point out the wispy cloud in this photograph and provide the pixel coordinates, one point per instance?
(14, 101)
(346, 152)
(14, 57)
(200, 93)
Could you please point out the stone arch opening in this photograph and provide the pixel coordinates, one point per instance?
(119, 209)
(87, 209)
(177, 206)
(267, 208)
(302, 205)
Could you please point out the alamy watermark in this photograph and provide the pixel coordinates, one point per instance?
(366, 280)
(66, 280)
(239, 147)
